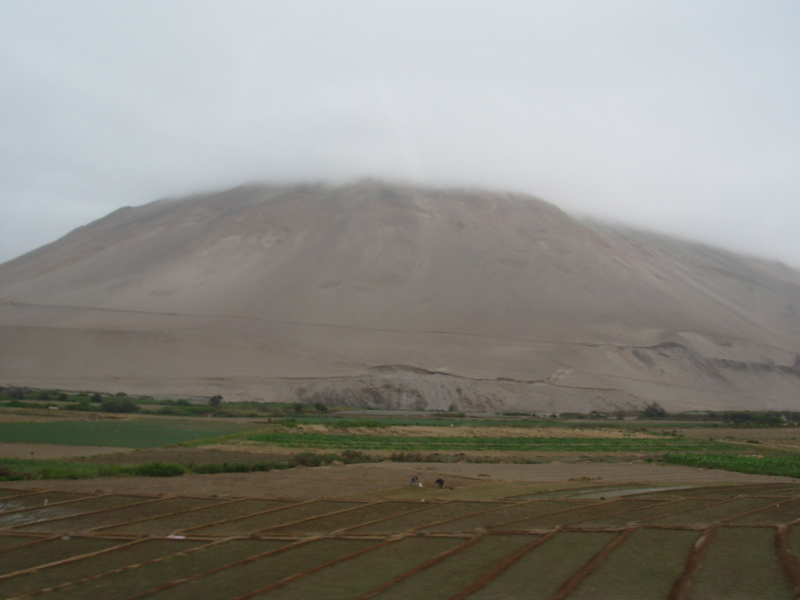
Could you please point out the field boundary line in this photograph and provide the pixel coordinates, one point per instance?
(622, 512)
(713, 492)
(37, 540)
(758, 510)
(619, 512)
(118, 570)
(314, 518)
(493, 572)
(67, 560)
(243, 561)
(291, 503)
(449, 519)
(86, 497)
(319, 567)
(19, 493)
(680, 512)
(571, 584)
(787, 558)
(91, 512)
(421, 567)
(556, 512)
(680, 588)
(475, 514)
(37, 492)
(418, 508)
(171, 514)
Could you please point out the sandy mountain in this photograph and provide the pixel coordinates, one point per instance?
(386, 295)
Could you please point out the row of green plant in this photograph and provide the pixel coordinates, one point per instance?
(120, 433)
(788, 465)
(16, 469)
(29, 469)
(304, 439)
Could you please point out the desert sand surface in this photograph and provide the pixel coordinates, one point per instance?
(384, 295)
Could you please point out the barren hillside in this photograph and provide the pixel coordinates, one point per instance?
(385, 295)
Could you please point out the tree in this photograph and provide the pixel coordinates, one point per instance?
(119, 405)
(654, 411)
(215, 401)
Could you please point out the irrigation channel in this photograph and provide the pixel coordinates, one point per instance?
(701, 542)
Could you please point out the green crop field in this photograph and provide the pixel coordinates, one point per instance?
(359, 530)
(788, 466)
(110, 545)
(304, 439)
(133, 433)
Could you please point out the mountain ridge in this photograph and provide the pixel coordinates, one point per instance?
(246, 289)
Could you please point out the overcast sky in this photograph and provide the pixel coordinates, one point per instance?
(676, 115)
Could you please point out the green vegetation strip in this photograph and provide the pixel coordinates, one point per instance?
(134, 433)
(444, 444)
(16, 469)
(788, 466)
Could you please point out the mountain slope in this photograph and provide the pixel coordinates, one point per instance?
(391, 295)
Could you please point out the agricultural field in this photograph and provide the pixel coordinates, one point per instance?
(318, 504)
(640, 544)
(122, 433)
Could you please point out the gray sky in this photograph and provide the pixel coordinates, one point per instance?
(680, 115)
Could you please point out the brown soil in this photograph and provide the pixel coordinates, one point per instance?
(34, 415)
(23, 450)
(186, 456)
(784, 438)
(390, 479)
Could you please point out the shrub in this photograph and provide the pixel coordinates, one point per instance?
(654, 411)
(119, 405)
(7, 474)
(354, 456)
(158, 469)
(81, 406)
(306, 459)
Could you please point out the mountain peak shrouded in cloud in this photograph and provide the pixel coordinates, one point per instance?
(679, 116)
(479, 299)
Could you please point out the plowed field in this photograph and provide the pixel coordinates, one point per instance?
(698, 541)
